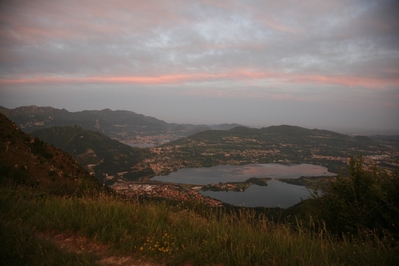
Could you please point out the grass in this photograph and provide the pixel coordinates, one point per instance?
(170, 234)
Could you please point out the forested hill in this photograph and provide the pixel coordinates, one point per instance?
(322, 141)
(105, 157)
(286, 144)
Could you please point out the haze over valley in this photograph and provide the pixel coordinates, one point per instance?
(154, 147)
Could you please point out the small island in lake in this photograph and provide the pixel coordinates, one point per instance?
(310, 182)
(236, 186)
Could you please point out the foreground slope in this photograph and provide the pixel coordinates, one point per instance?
(42, 229)
(30, 161)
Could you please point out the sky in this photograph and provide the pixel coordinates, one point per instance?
(317, 64)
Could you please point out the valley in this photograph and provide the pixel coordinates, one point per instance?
(47, 194)
(96, 139)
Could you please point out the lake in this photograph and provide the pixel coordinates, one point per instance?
(276, 194)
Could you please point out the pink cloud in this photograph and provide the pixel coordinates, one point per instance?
(237, 75)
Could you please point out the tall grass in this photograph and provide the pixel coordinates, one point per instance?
(176, 234)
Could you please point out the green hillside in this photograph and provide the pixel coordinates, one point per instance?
(105, 157)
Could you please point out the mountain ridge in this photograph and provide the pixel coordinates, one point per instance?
(125, 126)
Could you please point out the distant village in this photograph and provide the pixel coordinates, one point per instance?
(167, 191)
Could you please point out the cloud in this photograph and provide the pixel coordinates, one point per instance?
(240, 75)
(173, 37)
(280, 50)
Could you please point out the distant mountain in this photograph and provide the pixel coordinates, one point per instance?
(281, 134)
(106, 121)
(28, 160)
(103, 156)
(224, 126)
(125, 126)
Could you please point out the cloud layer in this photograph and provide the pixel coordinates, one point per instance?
(208, 48)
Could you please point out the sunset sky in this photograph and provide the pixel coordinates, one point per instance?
(317, 64)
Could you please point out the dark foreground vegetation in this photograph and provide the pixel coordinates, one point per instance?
(364, 232)
(366, 200)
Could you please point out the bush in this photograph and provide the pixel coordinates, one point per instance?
(38, 147)
(368, 199)
(18, 175)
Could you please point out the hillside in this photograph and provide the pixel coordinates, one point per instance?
(125, 126)
(284, 144)
(104, 157)
(30, 161)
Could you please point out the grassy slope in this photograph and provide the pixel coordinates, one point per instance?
(177, 235)
(30, 161)
(43, 170)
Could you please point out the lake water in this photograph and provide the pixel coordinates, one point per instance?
(141, 145)
(276, 194)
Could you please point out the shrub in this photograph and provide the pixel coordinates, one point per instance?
(38, 147)
(368, 199)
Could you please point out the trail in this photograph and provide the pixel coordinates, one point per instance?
(102, 253)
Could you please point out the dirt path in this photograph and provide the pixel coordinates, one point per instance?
(102, 253)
